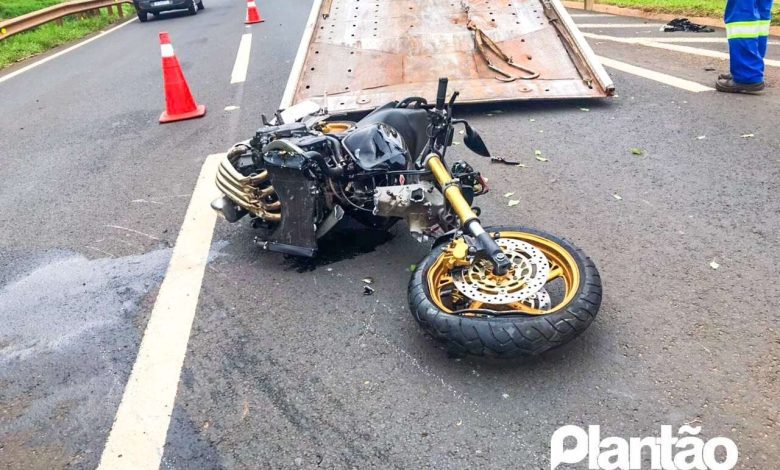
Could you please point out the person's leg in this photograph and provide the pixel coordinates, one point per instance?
(743, 27)
(764, 8)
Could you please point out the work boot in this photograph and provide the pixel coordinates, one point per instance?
(725, 76)
(728, 85)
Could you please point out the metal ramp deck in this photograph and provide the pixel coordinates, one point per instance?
(358, 54)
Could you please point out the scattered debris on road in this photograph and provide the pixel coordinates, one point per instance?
(701, 137)
(513, 202)
(684, 24)
(617, 196)
(714, 265)
(368, 290)
(747, 136)
(368, 280)
(637, 151)
(509, 194)
(504, 161)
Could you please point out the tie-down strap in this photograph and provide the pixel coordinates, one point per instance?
(481, 40)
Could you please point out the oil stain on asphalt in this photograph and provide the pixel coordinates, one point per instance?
(69, 332)
(340, 246)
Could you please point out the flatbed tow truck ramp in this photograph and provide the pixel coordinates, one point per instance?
(356, 55)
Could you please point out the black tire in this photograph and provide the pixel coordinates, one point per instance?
(509, 335)
(192, 9)
(200, 5)
(142, 16)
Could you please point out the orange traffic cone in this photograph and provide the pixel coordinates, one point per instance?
(252, 13)
(179, 103)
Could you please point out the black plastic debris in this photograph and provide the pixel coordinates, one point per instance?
(684, 24)
(368, 290)
(504, 161)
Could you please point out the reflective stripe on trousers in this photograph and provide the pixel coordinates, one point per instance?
(747, 29)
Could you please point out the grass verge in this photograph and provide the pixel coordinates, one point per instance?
(709, 8)
(12, 8)
(24, 45)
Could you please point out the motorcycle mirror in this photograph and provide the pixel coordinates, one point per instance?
(474, 142)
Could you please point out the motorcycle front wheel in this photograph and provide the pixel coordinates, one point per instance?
(551, 295)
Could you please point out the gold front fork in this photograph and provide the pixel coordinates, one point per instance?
(484, 242)
(451, 190)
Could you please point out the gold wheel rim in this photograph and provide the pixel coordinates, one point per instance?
(562, 266)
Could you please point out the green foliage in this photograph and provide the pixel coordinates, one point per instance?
(23, 45)
(711, 8)
(12, 8)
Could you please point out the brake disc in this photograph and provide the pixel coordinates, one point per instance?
(525, 279)
(539, 301)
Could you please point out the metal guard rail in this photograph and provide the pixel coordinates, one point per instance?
(37, 18)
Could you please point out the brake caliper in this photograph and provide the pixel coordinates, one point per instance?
(458, 252)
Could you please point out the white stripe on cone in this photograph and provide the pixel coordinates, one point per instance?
(252, 4)
(166, 50)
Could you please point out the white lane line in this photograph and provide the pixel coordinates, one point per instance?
(138, 435)
(619, 25)
(685, 39)
(653, 75)
(63, 52)
(699, 40)
(242, 60)
(591, 15)
(673, 47)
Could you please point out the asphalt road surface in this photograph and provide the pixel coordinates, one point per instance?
(290, 365)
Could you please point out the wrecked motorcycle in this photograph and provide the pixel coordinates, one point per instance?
(499, 291)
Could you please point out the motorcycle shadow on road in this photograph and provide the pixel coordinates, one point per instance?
(339, 246)
(474, 111)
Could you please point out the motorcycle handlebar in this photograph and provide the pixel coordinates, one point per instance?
(441, 94)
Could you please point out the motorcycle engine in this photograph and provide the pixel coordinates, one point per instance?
(297, 161)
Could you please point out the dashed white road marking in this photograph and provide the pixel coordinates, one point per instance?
(653, 75)
(242, 59)
(672, 47)
(138, 435)
(63, 52)
(620, 25)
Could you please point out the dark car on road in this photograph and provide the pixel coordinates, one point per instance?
(155, 7)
